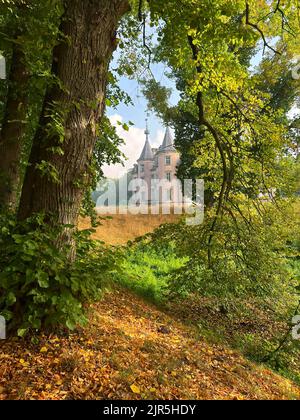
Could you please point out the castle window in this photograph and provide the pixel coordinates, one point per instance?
(168, 160)
(168, 176)
(142, 168)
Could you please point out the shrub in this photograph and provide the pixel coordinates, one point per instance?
(39, 287)
(248, 255)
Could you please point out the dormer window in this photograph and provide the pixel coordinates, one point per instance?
(168, 160)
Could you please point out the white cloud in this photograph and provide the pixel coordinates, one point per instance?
(132, 149)
(134, 143)
(159, 138)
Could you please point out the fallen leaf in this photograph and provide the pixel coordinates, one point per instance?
(135, 389)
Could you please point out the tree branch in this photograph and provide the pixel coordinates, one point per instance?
(226, 173)
(140, 11)
(257, 28)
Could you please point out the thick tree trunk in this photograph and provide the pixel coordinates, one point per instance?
(13, 130)
(62, 150)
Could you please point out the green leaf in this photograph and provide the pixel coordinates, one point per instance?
(11, 299)
(70, 324)
(43, 279)
(22, 332)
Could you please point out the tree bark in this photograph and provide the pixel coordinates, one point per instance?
(13, 129)
(62, 150)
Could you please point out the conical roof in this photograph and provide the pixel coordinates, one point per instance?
(147, 153)
(167, 145)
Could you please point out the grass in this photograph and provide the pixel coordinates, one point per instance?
(118, 229)
(147, 271)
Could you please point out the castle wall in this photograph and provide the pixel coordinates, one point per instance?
(146, 174)
(154, 165)
(163, 168)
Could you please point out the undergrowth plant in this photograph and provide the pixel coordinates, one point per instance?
(39, 286)
(147, 269)
(250, 255)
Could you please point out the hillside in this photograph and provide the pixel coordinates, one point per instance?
(131, 350)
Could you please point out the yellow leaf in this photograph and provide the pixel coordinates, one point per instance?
(43, 350)
(24, 363)
(152, 389)
(174, 373)
(135, 389)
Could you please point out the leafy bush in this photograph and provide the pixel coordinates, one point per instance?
(39, 287)
(248, 255)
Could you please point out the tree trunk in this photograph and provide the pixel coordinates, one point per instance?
(58, 169)
(13, 130)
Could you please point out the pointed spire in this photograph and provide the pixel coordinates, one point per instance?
(147, 132)
(147, 153)
(168, 144)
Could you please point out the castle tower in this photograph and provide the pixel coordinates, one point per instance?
(167, 158)
(168, 144)
(166, 161)
(145, 165)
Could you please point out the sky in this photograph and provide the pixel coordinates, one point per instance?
(134, 140)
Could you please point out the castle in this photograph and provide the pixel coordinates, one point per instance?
(157, 167)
